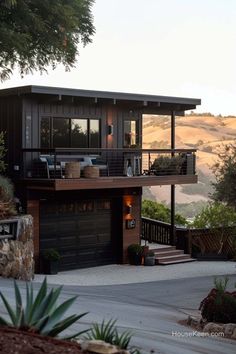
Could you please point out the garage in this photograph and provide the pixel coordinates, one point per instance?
(80, 230)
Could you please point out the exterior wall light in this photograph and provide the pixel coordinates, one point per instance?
(110, 129)
(129, 209)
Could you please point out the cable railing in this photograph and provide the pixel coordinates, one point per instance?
(52, 163)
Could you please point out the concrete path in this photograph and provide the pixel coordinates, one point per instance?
(127, 274)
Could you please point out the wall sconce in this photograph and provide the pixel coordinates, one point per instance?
(110, 129)
(129, 209)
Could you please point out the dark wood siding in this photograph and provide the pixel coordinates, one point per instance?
(108, 114)
(11, 124)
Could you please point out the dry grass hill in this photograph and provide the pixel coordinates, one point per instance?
(206, 133)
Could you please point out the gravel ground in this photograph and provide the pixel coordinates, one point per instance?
(127, 274)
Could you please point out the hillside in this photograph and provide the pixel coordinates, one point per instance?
(204, 132)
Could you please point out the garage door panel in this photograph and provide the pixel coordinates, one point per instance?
(49, 243)
(81, 231)
(67, 243)
(87, 240)
(104, 238)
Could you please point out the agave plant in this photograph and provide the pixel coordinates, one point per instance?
(109, 333)
(40, 314)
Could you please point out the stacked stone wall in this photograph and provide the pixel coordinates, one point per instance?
(17, 255)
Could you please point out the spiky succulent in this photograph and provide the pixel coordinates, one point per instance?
(40, 313)
(108, 333)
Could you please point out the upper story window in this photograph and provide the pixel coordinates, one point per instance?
(130, 133)
(67, 132)
(79, 133)
(61, 132)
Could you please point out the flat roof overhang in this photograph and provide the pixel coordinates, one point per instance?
(151, 102)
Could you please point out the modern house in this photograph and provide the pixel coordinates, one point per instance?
(78, 165)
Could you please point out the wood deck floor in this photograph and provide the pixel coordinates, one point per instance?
(108, 182)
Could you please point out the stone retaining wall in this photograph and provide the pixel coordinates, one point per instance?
(16, 256)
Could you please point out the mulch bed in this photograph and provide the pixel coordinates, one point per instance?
(13, 341)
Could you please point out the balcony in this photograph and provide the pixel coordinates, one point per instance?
(112, 168)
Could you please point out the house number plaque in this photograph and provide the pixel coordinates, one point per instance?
(130, 224)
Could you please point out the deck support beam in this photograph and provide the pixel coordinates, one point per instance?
(172, 192)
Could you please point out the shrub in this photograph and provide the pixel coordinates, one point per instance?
(168, 164)
(6, 189)
(7, 207)
(219, 305)
(150, 254)
(109, 334)
(134, 249)
(51, 254)
(135, 253)
(40, 314)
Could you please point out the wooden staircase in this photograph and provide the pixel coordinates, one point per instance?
(170, 255)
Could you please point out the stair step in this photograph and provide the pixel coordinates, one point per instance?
(163, 249)
(172, 258)
(169, 253)
(177, 261)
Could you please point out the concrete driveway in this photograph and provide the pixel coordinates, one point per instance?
(127, 274)
(150, 309)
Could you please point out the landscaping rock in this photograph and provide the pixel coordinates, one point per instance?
(229, 328)
(213, 327)
(233, 336)
(16, 256)
(99, 346)
(194, 321)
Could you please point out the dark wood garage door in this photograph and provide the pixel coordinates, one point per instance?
(79, 230)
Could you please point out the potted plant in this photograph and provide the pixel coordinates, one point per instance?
(135, 253)
(149, 259)
(51, 259)
(167, 165)
(145, 249)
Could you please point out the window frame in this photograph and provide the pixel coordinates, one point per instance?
(51, 118)
(137, 142)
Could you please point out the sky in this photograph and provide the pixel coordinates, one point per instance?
(165, 47)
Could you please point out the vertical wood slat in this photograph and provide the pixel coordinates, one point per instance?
(156, 231)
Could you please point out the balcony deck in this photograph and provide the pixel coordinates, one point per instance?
(176, 166)
(107, 182)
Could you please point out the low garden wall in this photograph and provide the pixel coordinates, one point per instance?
(16, 252)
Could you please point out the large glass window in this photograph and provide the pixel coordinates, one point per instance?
(79, 133)
(45, 132)
(61, 132)
(67, 132)
(130, 133)
(94, 133)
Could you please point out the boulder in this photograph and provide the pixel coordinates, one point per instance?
(213, 327)
(229, 328)
(233, 336)
(99, 346)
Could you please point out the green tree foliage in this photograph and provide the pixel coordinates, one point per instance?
(158, 211)
(2, 153)
(215, 215)
(35, 34)
(225, 174)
